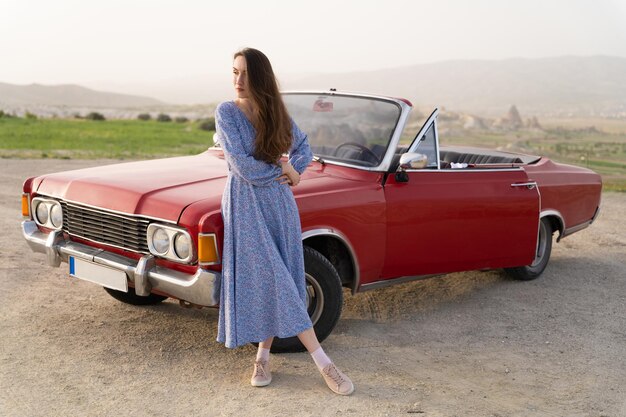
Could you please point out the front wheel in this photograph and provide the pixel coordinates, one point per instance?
(542, 256)
(324, 297)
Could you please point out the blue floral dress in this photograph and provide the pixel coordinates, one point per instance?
(263, 283)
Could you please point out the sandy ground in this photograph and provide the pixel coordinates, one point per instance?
(468, 344)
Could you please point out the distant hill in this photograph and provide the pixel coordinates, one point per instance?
(580, 85)
(592, 85)
(68, 95)
(567, 85)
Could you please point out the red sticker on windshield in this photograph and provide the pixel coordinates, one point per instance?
(322, 106)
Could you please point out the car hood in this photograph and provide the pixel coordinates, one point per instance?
(160, 188)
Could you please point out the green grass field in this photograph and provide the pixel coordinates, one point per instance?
(87, 139)
(602, 149)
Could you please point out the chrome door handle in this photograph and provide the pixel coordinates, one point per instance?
(530, 185)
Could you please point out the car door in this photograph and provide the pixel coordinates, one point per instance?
(448, 220)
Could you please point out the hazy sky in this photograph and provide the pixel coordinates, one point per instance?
(125, 41)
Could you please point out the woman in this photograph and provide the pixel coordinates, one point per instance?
(263, 282)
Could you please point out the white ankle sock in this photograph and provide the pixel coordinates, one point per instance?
(263, 354)
(320, 358)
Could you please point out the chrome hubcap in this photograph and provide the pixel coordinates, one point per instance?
(314, 298)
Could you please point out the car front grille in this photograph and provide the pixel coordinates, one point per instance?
(97, 225)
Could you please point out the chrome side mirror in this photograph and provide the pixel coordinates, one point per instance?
(412, 160)
(216, 140)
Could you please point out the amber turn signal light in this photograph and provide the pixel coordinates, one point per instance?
(25, 205)
(207, 249)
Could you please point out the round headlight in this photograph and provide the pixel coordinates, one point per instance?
(42, 213)
(56, 215)
(182, 246)
(160, 241)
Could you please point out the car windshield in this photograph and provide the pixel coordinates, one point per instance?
(354, 130)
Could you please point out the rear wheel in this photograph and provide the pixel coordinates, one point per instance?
(324, 296)
(542, 256)
(131, 298)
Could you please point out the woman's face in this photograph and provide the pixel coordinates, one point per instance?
(240, 77)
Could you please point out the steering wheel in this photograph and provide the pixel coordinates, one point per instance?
(362, 148)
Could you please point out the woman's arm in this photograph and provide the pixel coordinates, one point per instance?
(300, 155)
(254, 171)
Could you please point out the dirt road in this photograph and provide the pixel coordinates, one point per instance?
(468, 344)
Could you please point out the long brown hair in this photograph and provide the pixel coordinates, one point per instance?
(272, 122)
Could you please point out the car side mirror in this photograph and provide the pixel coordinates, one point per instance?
(216, 140)
(410, 160)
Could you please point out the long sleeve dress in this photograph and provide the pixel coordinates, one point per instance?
(263, 282)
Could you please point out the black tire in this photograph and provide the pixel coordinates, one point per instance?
(544, 248)
(324, 299)
(131, 298)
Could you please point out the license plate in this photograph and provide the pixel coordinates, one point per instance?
(99, 274)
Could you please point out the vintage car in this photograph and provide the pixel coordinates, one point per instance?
(373, 212)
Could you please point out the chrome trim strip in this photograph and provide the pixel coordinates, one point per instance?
(345, 164)
(473, 169)
(576, 228)
(109, 210)
(536, 187)
(85, 252)
(555, 213)
(345, 94)
(437, 150)
(202, 288)
(106, 244)
(596, 214)
(99, 210)
(395, 138)
(394, 281)
(334, 233)
(532, 185)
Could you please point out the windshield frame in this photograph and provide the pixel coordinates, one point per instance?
(395, 136)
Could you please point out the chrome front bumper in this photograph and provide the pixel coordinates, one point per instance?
(202, 288)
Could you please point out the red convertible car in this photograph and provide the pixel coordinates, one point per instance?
(373, 212)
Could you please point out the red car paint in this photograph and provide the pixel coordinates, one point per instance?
(440, 221)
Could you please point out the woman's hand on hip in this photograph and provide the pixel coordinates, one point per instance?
(289, 175)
